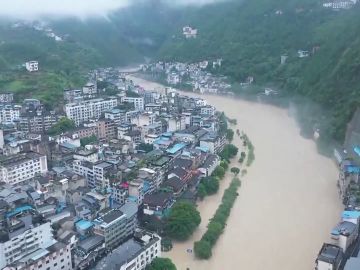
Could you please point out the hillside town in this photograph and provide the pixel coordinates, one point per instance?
(81, 185)
(198, 77)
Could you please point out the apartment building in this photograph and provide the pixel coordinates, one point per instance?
(214, 143)
(115, 225)
(116, 115)
(38, 121)
(134, 254)
(106, 129)
(90, 109)
(9, 113)
(207, 110)
(22, 237)
(137, 101)
(54, 257)
(22, 167)
(6, 97)
(32, 66)
(95, 173)
(329, 258)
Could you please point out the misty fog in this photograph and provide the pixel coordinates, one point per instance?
(83, 9)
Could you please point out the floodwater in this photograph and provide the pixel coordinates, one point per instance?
(287, 204)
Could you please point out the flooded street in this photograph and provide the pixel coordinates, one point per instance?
(287, 204)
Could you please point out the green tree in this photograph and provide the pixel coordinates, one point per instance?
(235, 170)
(201, 191)
(161, 264)
(202, 249)
(211, 185)
(64, 124)
(224, 164)
(218, 172)
(88, 140)
(183, 219)
(229, 134)
(146, 147)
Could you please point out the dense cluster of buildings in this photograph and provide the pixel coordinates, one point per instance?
(194, 76)
(342, 250)
(75, 197)
(340, 4)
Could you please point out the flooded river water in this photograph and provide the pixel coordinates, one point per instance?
(287, 204)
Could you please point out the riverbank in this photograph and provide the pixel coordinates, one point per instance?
(288, 202)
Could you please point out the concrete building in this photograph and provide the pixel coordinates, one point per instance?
(6, 97)
(329, 258)
(106, 129)
(208, 110)
(95, 173)
(115, 225)
(190, 32)
(344, 234)
(137, 101)
(134, 254)
(38, 121)
(24, 236)
(116, 115)
(19, 168)
(56, 257)
(136, 192)
(214, 143)
(90, 109)
(32, 66)
(90, 89)
(9, 113)
(211, 162)
(87, 155)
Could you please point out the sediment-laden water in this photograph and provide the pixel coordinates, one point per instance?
(287, 204)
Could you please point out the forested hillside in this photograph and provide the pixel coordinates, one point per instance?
(252, 35)
(125, 37)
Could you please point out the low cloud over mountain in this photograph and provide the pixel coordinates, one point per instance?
(83, 9)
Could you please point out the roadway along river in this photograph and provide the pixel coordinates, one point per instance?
(288, 202)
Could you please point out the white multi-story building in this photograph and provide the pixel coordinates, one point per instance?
(138, 102)
(55, 257)
(95, 173)
(24, 236)
(90, 109)
(19, 168)
(330, 257)
(116, 115)
(190, 32)
(9, 113)
(176, 123)
(6, 97)
(116, 225)
(134, 254)
(208, 110)
(32, 66)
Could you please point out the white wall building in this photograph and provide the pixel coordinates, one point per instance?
(24, 238)
(32, 66)
(54, 257)
(138, 102)
(89, 109)
(9, 113)
(134, 254)
(22, 167)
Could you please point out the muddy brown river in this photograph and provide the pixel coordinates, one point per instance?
(287, 204)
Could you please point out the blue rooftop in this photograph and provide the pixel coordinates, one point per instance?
(84, 224)
(177, 147)
(357, 150)
(351, 214)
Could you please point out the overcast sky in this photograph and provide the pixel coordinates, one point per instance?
(33, 9)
